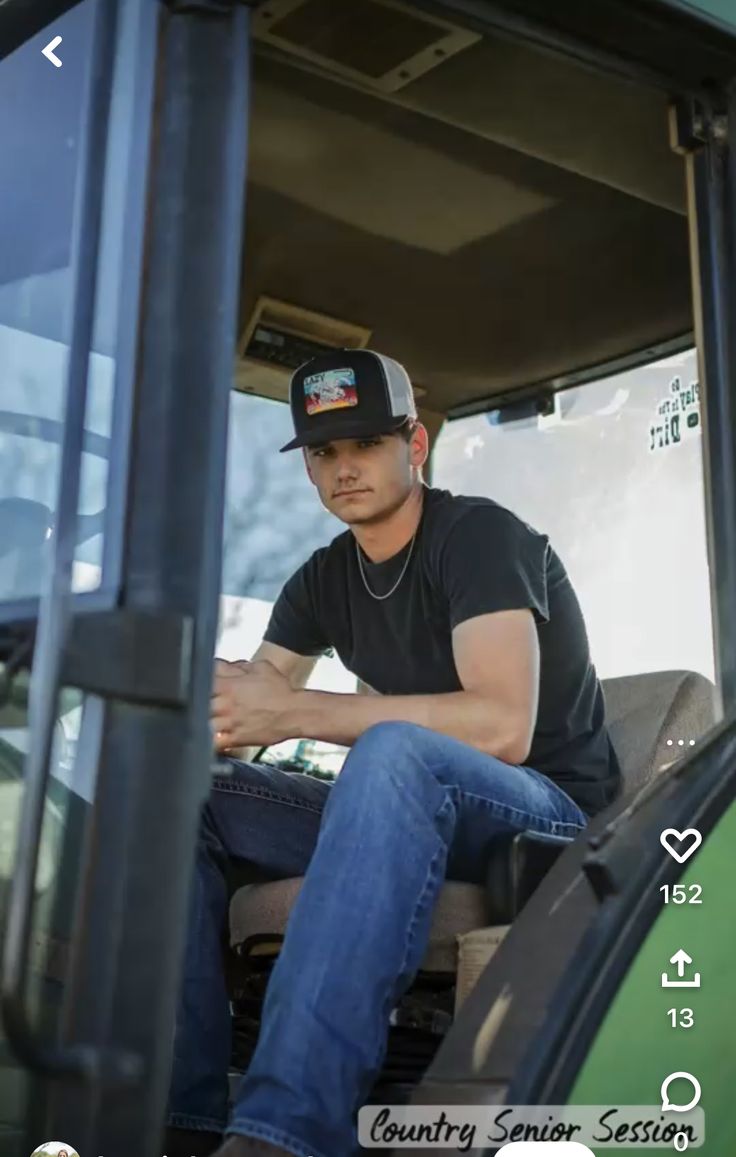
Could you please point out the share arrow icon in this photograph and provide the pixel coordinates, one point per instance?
(48, 52)
(681, 960)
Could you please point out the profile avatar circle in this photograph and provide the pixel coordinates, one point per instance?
(55, 1149)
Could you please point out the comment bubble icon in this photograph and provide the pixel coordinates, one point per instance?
(669, 1106)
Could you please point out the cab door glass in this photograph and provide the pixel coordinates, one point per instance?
(273, 522)
(41, 111)
(614, 477)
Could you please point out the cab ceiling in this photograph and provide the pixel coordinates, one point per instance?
(503, 218)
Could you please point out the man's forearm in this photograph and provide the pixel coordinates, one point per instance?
(464, 715)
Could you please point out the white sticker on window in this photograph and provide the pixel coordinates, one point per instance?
(678, 416)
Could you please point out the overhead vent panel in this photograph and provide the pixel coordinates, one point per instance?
(382, 44)
(278, 337)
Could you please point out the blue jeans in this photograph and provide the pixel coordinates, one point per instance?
(409, 808)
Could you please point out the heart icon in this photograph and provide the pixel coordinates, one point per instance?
(690, 834)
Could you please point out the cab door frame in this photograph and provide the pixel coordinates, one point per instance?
(156, 746)
(142, 656)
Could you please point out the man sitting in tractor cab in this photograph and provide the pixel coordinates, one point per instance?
(488, 720)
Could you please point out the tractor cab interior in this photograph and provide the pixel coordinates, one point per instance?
(504, 221)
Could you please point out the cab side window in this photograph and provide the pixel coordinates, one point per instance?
(615, 478)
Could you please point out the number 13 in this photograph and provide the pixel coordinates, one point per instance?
(686, 1019)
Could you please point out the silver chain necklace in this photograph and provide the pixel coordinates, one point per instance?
(380, 598)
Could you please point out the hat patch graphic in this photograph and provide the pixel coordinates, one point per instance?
(331, 390)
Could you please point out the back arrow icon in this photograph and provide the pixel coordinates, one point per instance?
(48, 51)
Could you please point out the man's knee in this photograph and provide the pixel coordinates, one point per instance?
(385, 758)
(393, 737)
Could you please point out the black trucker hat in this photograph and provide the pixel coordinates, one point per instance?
(348, 394)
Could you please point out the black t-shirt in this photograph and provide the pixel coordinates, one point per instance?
(471, 557)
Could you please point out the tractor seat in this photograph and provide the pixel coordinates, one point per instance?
(263, 909)
(648, 715)
(515, 867)
(643, 712)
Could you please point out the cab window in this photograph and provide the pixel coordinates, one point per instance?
(614, 476)
(273, 522)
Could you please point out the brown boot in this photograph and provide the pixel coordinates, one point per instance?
(237, 1146)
